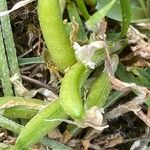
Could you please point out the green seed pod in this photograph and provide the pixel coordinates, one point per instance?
(99, 91)
(69, 96)
(53, 30)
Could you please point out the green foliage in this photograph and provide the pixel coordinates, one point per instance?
(43, 117)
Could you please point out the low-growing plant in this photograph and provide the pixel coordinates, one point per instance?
(75, 102)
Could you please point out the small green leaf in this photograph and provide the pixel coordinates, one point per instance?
(70, 96)
(126, 16)
(99, 91)
(99, 15)
(113, 97)
(126, 76)
(82, 7)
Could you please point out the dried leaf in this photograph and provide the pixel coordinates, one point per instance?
(86, 52)
(23, 92)
(133, 105)
(141, 48)
(66, 136)
(94, 119)
(74, 31)
(113, 141)
(144, 25)
(140, 145)
(55, 134)
(16, 6)
(86, 144)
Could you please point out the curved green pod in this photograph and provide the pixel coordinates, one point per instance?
(70, 98)
(56, 39)
(99, 91)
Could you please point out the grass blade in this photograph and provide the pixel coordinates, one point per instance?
(126, 16)
(10, 125)
(99, 15)
(4, 70)
(126, 76)
(114, 96)
(82, 7)
(29, 61)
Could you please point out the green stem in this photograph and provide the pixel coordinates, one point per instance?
(82, 7)
(99, 15)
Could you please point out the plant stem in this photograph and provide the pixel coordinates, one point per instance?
(99, 15)
(10, 125)
(142, 3)
(82, 7)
